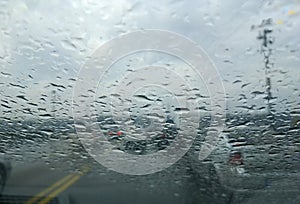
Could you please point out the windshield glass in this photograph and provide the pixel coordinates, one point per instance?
(150, 101)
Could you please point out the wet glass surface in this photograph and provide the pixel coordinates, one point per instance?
(150, 127)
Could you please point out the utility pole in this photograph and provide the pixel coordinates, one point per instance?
(53, 112)
(264, 36)
(53, 103)
(266, 41)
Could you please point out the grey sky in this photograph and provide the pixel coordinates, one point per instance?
(47, 42)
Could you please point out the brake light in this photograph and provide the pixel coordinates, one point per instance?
(119, 133)
(236, 158)
(110, 133)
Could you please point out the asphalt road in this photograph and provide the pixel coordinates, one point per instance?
(69, 177)
(92, 186)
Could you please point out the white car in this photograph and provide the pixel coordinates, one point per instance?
(258, 158)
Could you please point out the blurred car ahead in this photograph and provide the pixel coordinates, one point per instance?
(128, 143)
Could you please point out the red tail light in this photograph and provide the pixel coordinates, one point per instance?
(119, 133)
(110, 133)
(236, 158)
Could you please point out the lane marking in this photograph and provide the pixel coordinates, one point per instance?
(49, 189)
(60, 186)
(60, 189)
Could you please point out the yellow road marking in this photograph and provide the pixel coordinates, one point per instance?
(85, 169)
(47, 190)
(60, 186)
(59, 190)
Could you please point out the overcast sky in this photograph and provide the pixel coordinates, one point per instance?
(44, 42)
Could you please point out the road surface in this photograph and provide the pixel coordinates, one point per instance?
(74, 178)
